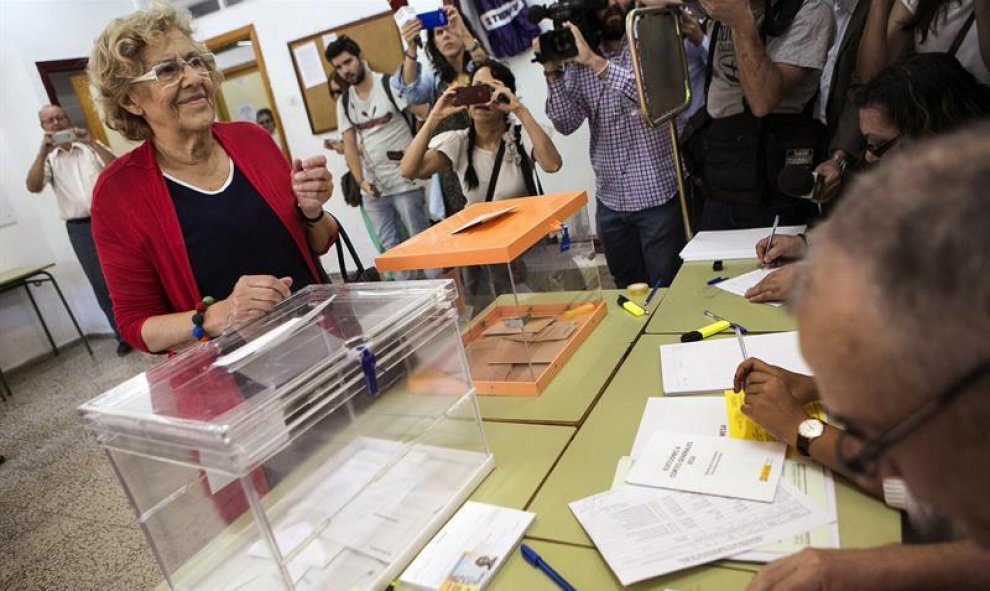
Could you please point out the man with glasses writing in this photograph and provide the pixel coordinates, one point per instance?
(70, 160)
(892, 317)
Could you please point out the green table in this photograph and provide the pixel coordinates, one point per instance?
(682, 309)
(587, 467)
(524, 455)
(571, 394)
(585, 569)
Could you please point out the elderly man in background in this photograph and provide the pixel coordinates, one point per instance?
(70, 160)
(892, 314)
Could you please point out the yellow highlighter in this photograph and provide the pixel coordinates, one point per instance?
(705, 331)
(630, 306)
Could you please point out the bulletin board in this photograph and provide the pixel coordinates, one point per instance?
(381, 46)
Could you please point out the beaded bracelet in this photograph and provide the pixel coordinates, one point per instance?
(198, 332)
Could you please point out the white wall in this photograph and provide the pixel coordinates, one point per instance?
(28, 34)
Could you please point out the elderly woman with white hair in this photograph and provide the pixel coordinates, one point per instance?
(204, 225)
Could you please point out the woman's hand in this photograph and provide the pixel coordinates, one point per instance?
(312, 184)
(455, 24)
(509, 104)
(410, 32)
(445, 107)
(253, 295)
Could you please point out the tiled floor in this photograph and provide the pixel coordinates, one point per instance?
(64, 521)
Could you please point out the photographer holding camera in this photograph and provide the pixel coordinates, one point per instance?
(70, 160)
(638, 217)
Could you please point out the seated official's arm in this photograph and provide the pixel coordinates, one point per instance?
(764, 82)
(312, 185)
(544, 151)
(419, 161)
(960, 566)
(36, 174)
(772, 404)
(565, 109)
(785, 249)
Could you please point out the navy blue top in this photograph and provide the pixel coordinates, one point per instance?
(233, 233)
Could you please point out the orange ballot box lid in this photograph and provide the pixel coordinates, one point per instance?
(484, 233)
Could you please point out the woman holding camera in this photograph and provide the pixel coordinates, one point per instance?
(492, 158)
(204, 225)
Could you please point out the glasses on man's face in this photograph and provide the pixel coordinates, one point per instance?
(882, 147)
(169, 72)
(860, 455)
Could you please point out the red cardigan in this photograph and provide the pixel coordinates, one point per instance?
(139, 239)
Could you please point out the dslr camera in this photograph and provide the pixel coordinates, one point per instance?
(558, 44)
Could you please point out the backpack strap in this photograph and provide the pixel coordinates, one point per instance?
(346, 97)
(961, 35)
(495, 170)
(533, 186)
(387, 87)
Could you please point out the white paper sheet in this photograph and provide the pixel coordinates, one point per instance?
(646, 532)
(309, 64)
(740, 284)
(697, 415)
(730, 244)
(818, 486)
(477, 528)
(709, 365)
(483, 218)
(290, 537)
(710, 465)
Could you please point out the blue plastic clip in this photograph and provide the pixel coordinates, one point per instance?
(565, 238)
(368, 366)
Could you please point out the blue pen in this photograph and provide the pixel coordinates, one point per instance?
(533, 558)
(715, 280)
(653, 292)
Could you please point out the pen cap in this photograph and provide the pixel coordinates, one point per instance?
(529, 555)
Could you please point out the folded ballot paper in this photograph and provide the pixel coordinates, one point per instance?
(709, 365)
(469, 550)
(730, 244)
(740, 284)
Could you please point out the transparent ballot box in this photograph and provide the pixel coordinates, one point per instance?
(528, 282)
(318, 447)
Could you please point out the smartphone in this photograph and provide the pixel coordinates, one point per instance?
(64, 136)
(395, 155)
(433, 19)
(480, 94)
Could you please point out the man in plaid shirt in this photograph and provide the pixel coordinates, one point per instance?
(639, 217)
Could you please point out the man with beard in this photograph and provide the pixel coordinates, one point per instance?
(767, 60)
(638, 216)
(368, 108)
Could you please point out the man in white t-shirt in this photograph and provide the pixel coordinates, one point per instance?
(368, 109)
(70, 160)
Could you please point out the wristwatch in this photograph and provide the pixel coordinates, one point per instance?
(808, 431)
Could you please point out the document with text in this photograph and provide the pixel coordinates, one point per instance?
(646, 532)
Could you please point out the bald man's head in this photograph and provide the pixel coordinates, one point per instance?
(53, 118)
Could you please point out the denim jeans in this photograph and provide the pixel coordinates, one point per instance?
(81, 237)
(642, 246)
(387, 211)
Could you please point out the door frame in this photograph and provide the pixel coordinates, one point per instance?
(247, 33)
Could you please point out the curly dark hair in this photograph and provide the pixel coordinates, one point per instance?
(927, 94)
(443, 67)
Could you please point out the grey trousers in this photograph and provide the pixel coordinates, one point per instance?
(81, 237)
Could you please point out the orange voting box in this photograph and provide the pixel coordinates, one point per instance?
(528, 280)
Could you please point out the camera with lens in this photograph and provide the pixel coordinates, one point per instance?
(558, 44)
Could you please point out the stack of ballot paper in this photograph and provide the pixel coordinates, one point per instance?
(730, 244)
(469, 550)
(644, 531)
(709, 365)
